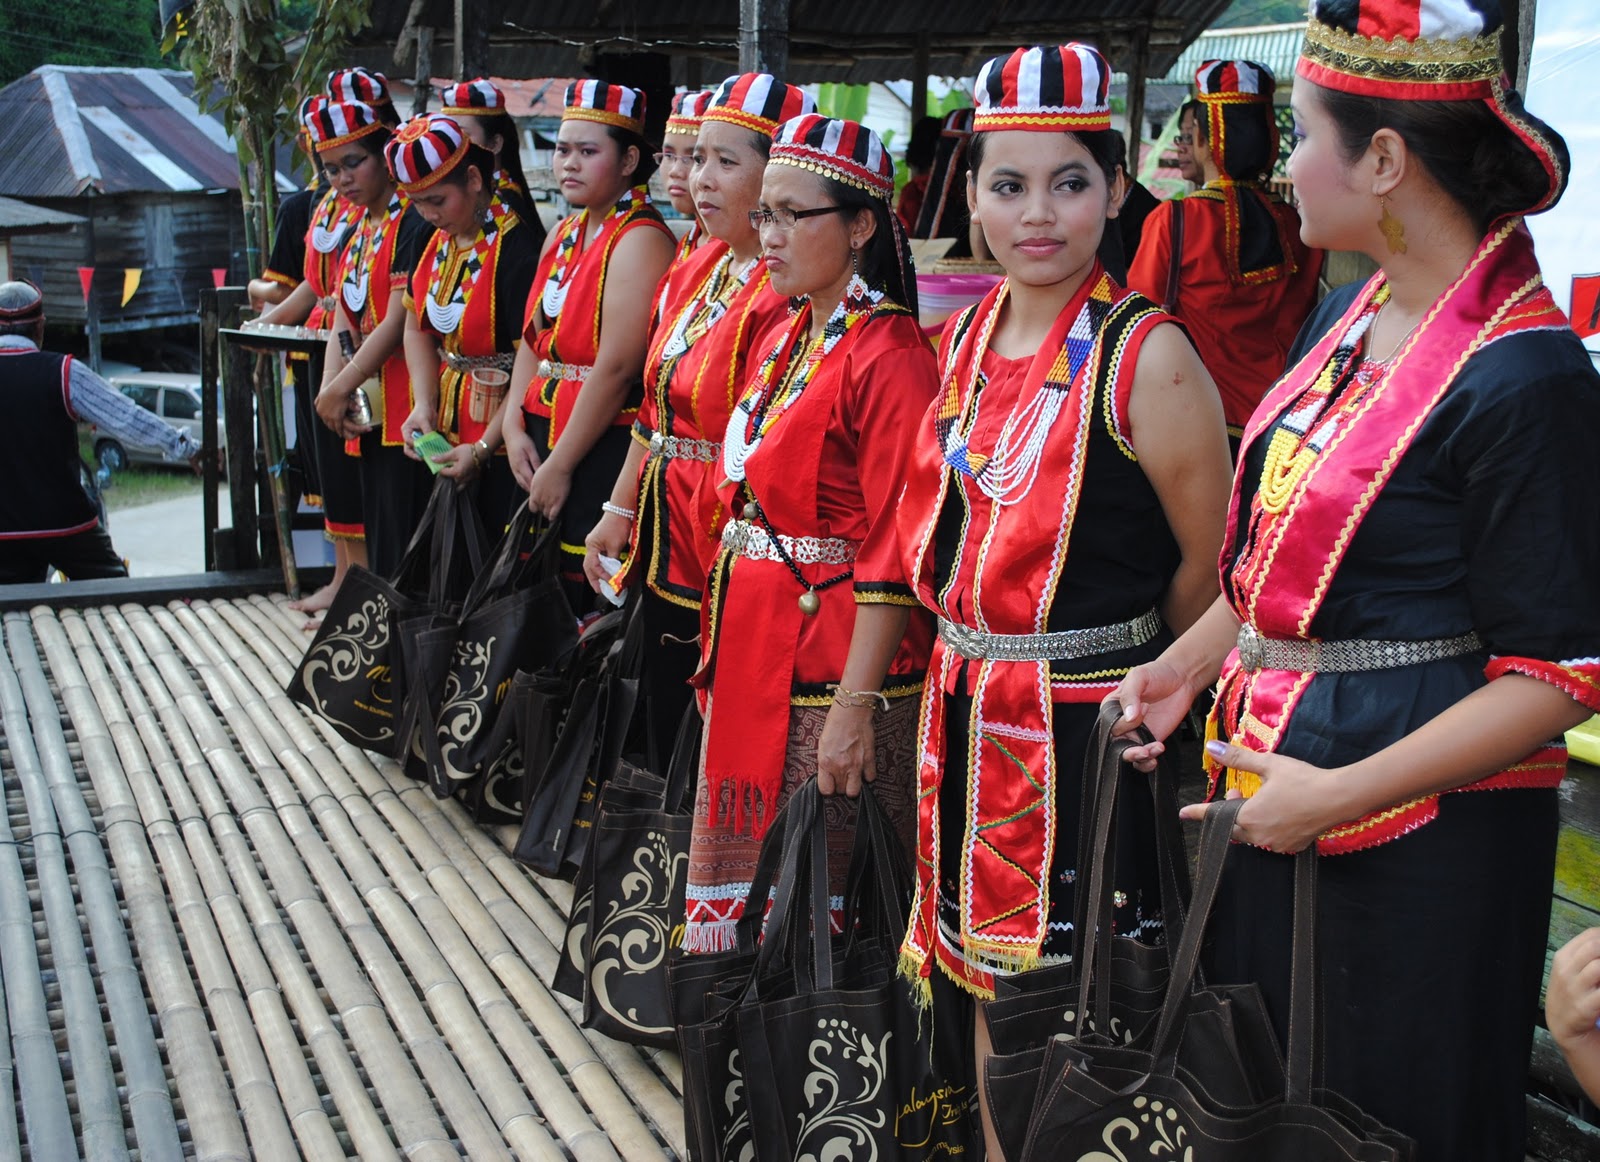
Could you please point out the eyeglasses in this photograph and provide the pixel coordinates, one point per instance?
(1183, 139)
(784, 218)
(667, 160)
(332, 170)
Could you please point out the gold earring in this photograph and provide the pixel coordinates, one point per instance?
(1394, 230)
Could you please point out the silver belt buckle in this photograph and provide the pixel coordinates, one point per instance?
(545, 369)
(658, 443)
(963, 641)
(735, 535)
(1252, 649)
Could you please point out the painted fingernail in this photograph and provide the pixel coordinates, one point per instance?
(1216, 748)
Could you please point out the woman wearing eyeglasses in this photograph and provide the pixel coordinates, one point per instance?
(676, 162)
(577, 374)
(369, 327)
(714, 306)
(812, 653)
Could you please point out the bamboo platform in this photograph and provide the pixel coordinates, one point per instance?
(226, 934)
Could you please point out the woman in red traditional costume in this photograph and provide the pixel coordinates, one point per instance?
(364, 351)
(1409, 606)
(479, 107)
(715, 307)
(676, 161)
(465, 303)
(1063, 506)
(812, 653)
(305, 263)
(1228, 260)
(577, 375)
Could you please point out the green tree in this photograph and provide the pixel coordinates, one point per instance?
(119, 33)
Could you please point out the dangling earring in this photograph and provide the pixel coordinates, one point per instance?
(1394, 230)
(857, 297)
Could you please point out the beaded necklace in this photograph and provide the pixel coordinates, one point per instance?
(331, 226)
(363, 249)
(1310, 426)
(455, 270)
(706, 309)
(773, 393)
(554, 295)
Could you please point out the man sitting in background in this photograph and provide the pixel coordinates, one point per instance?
(46, 518)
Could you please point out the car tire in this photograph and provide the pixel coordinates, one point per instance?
(111, 455)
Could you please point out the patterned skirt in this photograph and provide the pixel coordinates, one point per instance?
(722, 858)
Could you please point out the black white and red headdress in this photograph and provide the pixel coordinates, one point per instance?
(843, 150)
(425, 149)
(358, 86)
(1047, 89)
(605, 102)
(338, 123)
(758, 101)
(688, 110)
(475, 98)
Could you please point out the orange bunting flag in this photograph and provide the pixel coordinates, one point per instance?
(130, 283)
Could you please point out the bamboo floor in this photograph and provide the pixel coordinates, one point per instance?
(227, 934)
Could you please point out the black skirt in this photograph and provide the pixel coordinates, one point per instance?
(1431, 949)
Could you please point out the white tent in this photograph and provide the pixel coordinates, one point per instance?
(1564, 89)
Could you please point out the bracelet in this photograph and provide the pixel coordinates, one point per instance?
(481, 446)
(858, 699)
(618, 510)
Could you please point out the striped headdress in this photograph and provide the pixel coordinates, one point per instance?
(423, 150)
(1234, 83)
(358, 86)
(843, 150)
(1426, 50)
(607, 103)
(1045, 89)
(688, 109)
(758, 101)
(338, 123)
(474, 98)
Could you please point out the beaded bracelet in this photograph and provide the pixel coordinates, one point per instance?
(618, 510)
(858, 699)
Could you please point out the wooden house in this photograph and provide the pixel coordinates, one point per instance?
(155, 180)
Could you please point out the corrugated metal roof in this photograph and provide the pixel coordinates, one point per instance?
(66, 131)
(1275, 45)
(21, 218)
(830, 40)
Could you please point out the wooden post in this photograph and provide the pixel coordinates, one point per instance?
(763, 36)
(475, 26)
(424, 78)
(461, 40)
(1135, 97)
(210, 371)
(919, 80)
(1524, 43)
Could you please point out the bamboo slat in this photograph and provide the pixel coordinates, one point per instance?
(144, 1082)
(339, 965)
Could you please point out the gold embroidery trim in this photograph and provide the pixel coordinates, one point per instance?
(1439, 62)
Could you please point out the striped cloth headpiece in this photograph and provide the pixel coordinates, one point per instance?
(425, 149)
(688, 109)
(1234, 83)
(1426, 50)
(957, 123)
(1046, 89)
(354, 86)
(758, 101)
(843, 150)
(338, 123)
(474, 98)
(607, 103)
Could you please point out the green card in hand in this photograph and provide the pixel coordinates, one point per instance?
(428, 445)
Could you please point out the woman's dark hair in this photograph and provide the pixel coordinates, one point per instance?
(886, 259)
(374, 142)
(647, 161)
(387, 113)
(1100, 145)
(1197, 112)
(510, 151)
(1474, 156)
(761, 143)
(477, 158)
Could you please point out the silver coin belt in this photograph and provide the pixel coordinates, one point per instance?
(329, 302)
(550, 369)
(501, 361)
(977, 646)
(1350, 655)
(744, 539)
(683, 448)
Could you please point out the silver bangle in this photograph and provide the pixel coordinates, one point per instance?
(617, 510)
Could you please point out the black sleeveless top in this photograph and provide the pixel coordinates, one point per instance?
(40, 494)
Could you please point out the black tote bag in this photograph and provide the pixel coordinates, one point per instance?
(638, 872)
(352, 672)
(837, 1057)
(1100, 1097)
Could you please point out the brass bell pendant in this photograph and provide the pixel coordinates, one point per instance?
(750, 510)
(810, 602)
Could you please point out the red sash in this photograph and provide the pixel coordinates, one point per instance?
(572, 336)
(326, 237)
(691, 395)
(1013, 559)
(1279, 585)
(473, 335)
(366, 283)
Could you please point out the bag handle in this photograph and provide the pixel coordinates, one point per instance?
(508, 563)
(1303, 978)
(776, 849)
(454, 520)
